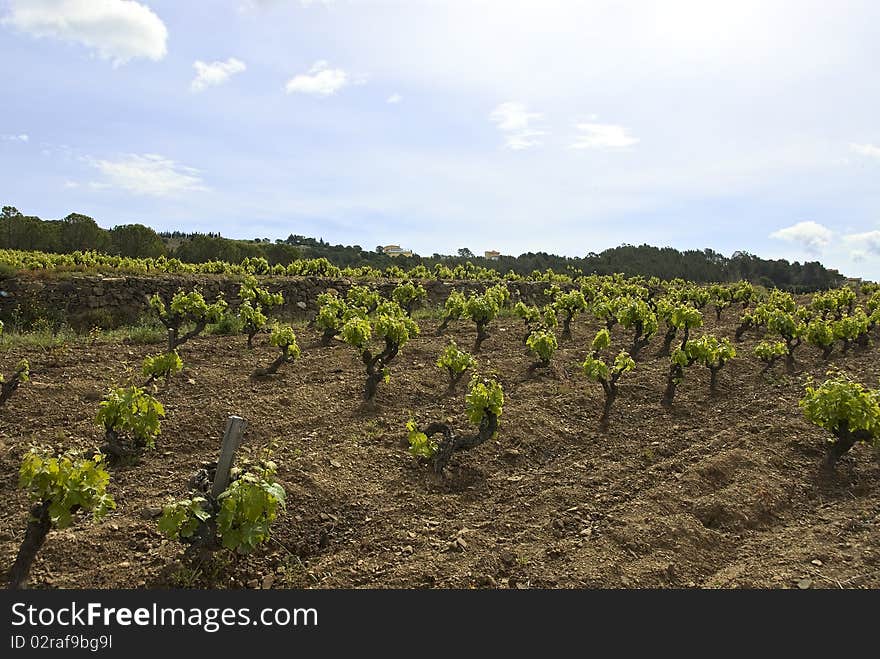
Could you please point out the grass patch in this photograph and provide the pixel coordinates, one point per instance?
(45, 338)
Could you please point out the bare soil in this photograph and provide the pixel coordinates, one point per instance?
(721, 492)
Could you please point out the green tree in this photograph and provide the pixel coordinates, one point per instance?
(136, 241)
(80, 232)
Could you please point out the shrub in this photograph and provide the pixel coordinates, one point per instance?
(770, 352)
(330, 316)
(483, 309)
(569, 305)
(708, 351)
(408, 295)
(636, 315)
(454, 308)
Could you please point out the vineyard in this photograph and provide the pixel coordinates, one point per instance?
(77, 261)
(624, 432)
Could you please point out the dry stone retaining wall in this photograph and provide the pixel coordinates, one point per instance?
(84, 301)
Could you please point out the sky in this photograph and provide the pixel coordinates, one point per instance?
(559, 126)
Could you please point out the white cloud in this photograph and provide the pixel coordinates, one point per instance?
(602, 136)
(148, 174)
(118, 29)
(70, 185)
(866, 150)
(21, 137)
(868, 242)
(514, 120)
(263, 4)
(811, 235)
(513, 116)
(525, 139)
(321, 80)
(215, 73)
(394, 98)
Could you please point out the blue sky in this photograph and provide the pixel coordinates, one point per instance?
(557, 126)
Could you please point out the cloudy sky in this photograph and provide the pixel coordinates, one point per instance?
(564, 126)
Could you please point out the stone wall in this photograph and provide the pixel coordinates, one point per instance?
(85, 301)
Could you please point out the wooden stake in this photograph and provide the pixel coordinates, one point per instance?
(235, 426)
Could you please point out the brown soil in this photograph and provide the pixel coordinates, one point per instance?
(725, 491)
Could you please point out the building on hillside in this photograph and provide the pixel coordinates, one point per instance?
(396, 250)
(491, 254)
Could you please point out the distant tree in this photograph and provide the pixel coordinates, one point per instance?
(465, 253)
(80, 232)
(27, 232)
(136, 241)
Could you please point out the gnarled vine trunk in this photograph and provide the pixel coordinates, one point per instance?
(452, 442)
(482, 335)
(8, 387)
(610, 389)
(668, 338)
(639, 340)
(790, 345)
(676, 372)
(566, 326)
(38, 528)
(846, 439)
(376, 368)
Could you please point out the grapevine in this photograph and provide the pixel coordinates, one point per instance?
(161, 366)
(453, 309)
(131, 420)
(59, 488)
(455, 362)
(186, 308)
(388, 323)
(484, 403)
(283, 338)
(848, 410)
(239, 519)
(598, 370)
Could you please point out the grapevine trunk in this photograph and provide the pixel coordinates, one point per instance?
(38, 528)
(846, 439)
(566, 327)
(8, 388)
(610, 395)
(676, 373)
(482, 335)
(667, 342)
(452, 442)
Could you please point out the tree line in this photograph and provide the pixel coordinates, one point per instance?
(80, 232)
